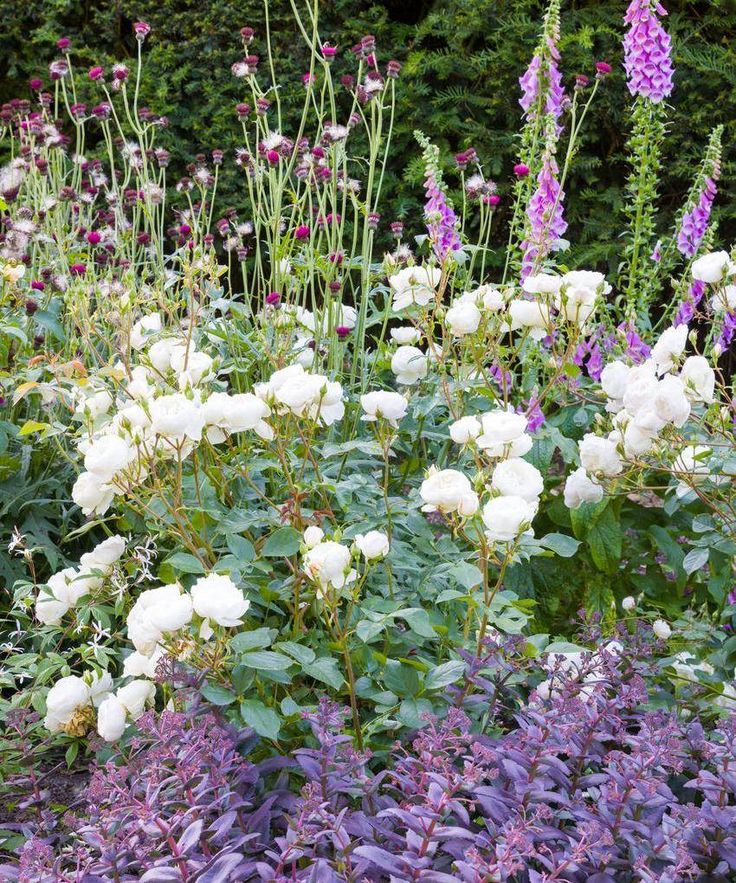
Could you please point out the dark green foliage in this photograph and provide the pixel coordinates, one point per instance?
(462, 60)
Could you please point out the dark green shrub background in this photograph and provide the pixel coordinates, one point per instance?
(461, 58)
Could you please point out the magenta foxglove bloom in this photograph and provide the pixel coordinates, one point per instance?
(546, 217)
(441, 221)
(647, 51)
(530, 85)
(689, 303)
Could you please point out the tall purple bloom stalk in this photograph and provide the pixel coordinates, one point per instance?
(545, 216)
(689, 304)
(647, 51)
(548, 71)
(439, 216)
(695, 222)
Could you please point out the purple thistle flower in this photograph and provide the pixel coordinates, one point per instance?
(647, 51)
(546, 217)
(695, 222)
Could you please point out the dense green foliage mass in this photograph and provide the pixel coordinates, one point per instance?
(461, 58)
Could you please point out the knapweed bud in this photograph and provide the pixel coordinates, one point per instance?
(521, 170)
(581, 81)
(273, 298)
(342, 331)
(373, 220)
(393, 69)
(31, 307)
(308, 79)
(328, 52)
(602, 69)
(247, 35)
(301, 232)
(272, 156)
(492, 199)
(94, 238)
(63, 44)
(217, 157)
(35, 84)
(37, 285)
(242, 110)
(78, 269)
(335, 286)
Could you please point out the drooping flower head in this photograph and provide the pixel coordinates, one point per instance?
(647, 51)
(441, 220)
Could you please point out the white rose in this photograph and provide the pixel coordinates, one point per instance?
(465, 429)
(391, 406)
(711, 268)
(670, 346)
(49, 609)
(135, 696)
(159, 353)
(409, 364)
(328, 564)
(614, 378)
(108, 551)
(176, 417)
(504, 434)
(107, 456)
(313, 535)
(699, 379)
(95, 405)
(506, 518)
(448, 490)
(599, 455)
(661, 629)
(111, 719)
(144, 328)
(530, 314)
(670, 402)
(641, 386)
(491, 299)
(64, 699)
(724, 300)
(542, 283)
(137, 665)
(414, 285)
(156, 612)
(191, 366)
(406, 334)
(579, 293)
(637, 439)
(628, 604)
(373, 544)
(463, 318)
(516, 477)
(217, 598)
(91, 494)
(581, 488)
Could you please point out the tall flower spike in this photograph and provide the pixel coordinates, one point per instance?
(441, 221)
(541, 85)
(647, 51)
(698, 207)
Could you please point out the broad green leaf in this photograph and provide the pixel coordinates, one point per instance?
(266, 660)
(282, 543)
(560, 544)
(264, 720)
(325, 669)
(444, 674)
(252, 640)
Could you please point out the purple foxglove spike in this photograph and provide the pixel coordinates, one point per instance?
(695, 223)
(647, 51)
(546, 218)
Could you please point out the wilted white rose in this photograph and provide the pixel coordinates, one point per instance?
(64, 700)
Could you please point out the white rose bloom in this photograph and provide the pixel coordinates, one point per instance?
(177, 418)
(661, 629)
(542, 283)
(64, 699)
(156, 612)
(373, 544)
(409, 364)
(107, 456)
(516, 477)
(159, 353)
(406, 334)
(711, 268)
(135, 696)
(414, 285)
(668, 349)
(313, 535)
(465, 430)
(140, 386)
(641, 387)
(504, 434)
(727, 698)
(530, 314)
(491, 299)
(237, 413)
(13, 272)
(448, 490)
(303, 394)
(599, 455)
(217, 598)
(614, 378)
(506, 518)
(579, 294)
(108, 551)
(391, 406)
(724, 300)
(91, 494)
(629, 603)
(137, 665)
(344, 316)
(463, 318)
(637, 440)
(95, 405)
(143, 329)
(191, 369)
(699, 379)
(581, 488)
(670, 402)
(111, 719)
(328, 563)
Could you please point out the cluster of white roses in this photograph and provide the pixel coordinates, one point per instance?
(163, 410)
(71, 704)
(66, 588)
(329, 564)
(515, 486)
(643, 400)
(466, 312)
(292, 390)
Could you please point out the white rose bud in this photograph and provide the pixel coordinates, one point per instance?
(111, 719)
(135, 696)
(373, 544)
(661, 629)
(465, 430)
(581, 488)
(629, 603)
